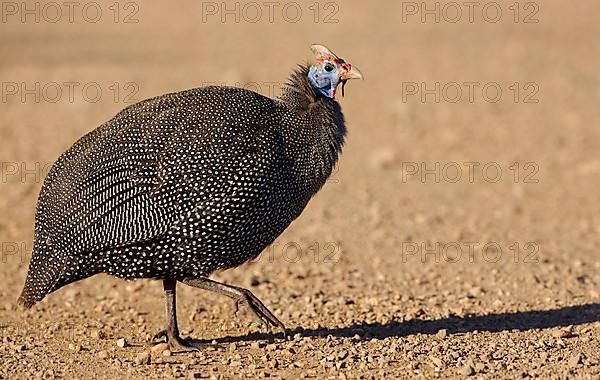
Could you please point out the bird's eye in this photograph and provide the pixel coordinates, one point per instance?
(329, 67)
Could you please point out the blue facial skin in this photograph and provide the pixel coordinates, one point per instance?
(324, 82)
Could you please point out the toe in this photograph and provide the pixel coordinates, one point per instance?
(159, 335)
(178, 344)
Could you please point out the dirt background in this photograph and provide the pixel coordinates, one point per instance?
(377, 278)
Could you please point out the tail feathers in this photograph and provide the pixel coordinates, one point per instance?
(25, 301)
(33, 291)
(45, 275)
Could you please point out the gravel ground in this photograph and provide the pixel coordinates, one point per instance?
(456, 238)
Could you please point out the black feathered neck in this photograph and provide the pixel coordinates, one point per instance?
(297, 91)
(313, 126)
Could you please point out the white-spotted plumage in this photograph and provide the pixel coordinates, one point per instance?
(182, 185)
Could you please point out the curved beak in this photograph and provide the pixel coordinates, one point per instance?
(353, 73)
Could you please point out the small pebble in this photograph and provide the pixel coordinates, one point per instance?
(575, 360)
(103, 354)
(437, 362)
(74, 347)
(467, 371)
(563, 333)
(520, 373)
(121, 342)
(160, 347)
(20, 347)
(142, 358)
(98, 334)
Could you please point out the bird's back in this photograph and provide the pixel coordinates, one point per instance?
(183, 184)
(202, 171)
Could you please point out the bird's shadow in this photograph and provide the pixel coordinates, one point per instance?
(520, 321)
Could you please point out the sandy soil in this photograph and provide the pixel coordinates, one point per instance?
(398, 268)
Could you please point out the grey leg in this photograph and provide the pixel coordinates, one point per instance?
(239, 296)
(172, 332)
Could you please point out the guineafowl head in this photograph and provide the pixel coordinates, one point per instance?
(329, 71)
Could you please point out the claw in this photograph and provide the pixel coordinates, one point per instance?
(176, 343)
(235, 307)
(260, 311)
(159, 335)
(239, 295)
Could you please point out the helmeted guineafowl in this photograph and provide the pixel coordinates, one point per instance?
(188, 183)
